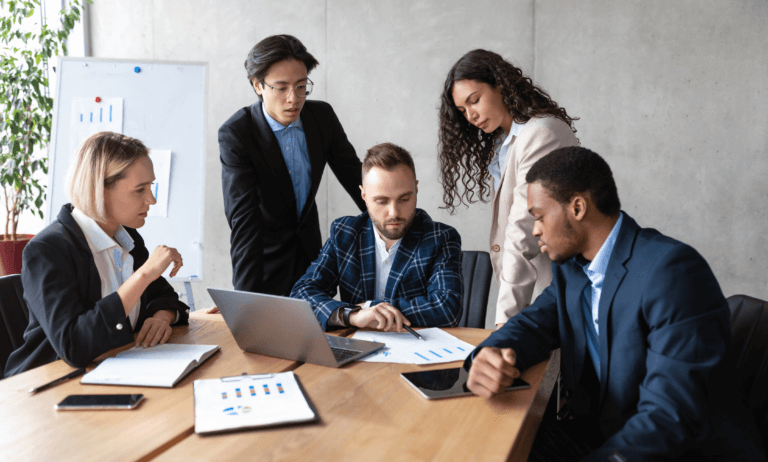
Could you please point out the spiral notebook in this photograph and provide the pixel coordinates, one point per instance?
(249, 401)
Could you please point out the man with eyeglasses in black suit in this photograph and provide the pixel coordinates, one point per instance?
(273, 154)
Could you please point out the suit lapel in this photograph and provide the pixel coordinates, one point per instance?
(270, 150)
(94, 279)
(576, 284)
(316, 156)
(367, 246)
(408, 247)
(614, 275)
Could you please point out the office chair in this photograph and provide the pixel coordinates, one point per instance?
(14, 317)
(477, 272)
(749, 329)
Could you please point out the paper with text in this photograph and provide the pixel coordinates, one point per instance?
(404, 348)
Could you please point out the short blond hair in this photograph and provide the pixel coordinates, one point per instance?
(99, 163)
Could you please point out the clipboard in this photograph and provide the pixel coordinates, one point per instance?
(249, 401)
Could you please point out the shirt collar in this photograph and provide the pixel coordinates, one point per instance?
(596, 269)
(382, 246)
(97, 239)
(513, 132)
(277, 126)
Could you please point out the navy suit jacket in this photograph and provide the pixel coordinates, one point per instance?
(667, 385)
(270, 248)
(425, 281)
(68, 317)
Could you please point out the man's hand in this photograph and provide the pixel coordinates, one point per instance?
(156, 329)
(382, 317)
(499, 325)
(492, 371)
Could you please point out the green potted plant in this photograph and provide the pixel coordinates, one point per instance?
(25, 112)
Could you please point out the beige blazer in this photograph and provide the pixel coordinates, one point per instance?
(521, 270)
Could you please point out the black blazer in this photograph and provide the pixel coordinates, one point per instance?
(68, 318)
(270, 248)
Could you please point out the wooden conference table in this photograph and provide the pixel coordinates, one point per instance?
(367, 412)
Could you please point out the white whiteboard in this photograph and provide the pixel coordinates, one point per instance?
(163, 105)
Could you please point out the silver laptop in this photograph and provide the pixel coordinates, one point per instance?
(285, 328)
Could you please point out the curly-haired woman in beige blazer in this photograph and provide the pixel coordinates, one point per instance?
(494, 125)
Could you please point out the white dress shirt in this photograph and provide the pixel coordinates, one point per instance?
(112, 257)
(384, 260)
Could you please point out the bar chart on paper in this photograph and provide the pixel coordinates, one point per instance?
(404, 348)
(249, 401)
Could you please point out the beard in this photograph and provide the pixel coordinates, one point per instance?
(571, 246)
(394, 234)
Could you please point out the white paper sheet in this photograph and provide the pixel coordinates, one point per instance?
(161, 162)
(249, 401)
(89, 117)
(439, 347)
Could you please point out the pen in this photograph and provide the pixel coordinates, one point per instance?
(413, 332)
(48, 385)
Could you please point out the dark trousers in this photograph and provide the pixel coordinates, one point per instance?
(570, 439)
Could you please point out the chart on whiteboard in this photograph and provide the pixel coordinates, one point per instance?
(90, 116)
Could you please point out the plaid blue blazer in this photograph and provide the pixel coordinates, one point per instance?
(425, 281)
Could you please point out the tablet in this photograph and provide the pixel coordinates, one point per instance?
(447, 383)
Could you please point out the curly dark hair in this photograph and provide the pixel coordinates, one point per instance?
(465, 151)
(568, 171)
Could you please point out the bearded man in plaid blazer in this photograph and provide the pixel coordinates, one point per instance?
(392, 265)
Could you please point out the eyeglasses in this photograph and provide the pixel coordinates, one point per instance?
(302, 90)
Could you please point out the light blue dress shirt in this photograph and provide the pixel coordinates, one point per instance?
(596, 269)
(496, 167)
(293, 145)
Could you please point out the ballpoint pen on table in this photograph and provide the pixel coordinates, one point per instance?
(48, 385)
(413, 332)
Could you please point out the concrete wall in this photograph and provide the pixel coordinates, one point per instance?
(672, 94)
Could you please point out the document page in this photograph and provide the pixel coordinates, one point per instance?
(402, 347)
(249, 401)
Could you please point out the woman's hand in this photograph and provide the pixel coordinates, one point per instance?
(131, 290)
(160, 260)
(156, 329)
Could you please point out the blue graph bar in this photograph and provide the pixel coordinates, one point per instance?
(422, 357)
(435, 354)
(81, 117)
(101, 114)
(110, 113)
(449, 351)
(460, 348)
(91, 116)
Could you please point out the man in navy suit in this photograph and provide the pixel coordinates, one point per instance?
(392, 264)
(642, 325)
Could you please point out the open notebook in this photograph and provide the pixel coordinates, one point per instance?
(158, 366)
(249, 401)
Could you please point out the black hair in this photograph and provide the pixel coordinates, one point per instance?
(272, 50)
(568, 171)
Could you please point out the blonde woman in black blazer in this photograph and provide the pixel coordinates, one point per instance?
(75, 313)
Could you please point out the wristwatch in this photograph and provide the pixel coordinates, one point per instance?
(348, 310)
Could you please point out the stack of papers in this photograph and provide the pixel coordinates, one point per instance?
(402, 347)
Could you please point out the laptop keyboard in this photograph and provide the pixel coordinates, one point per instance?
(342, 354)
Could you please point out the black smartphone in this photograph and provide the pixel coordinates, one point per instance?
(447, 383)
(96, 402)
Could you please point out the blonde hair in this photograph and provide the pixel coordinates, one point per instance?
(99, 163)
